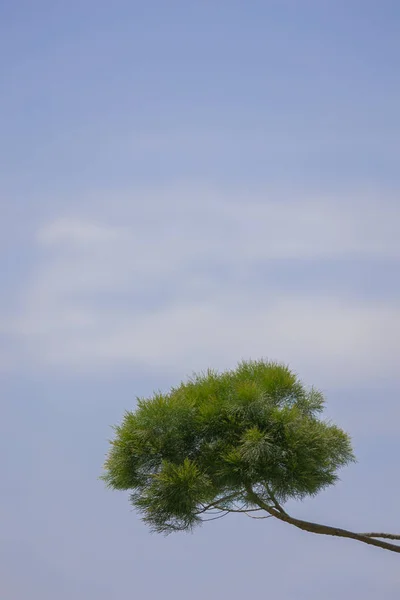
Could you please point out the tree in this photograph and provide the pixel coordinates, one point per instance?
(246, 440)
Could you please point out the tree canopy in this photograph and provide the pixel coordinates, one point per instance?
(245, 440)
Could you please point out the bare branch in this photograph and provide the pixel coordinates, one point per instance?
(322, 529)
(215, 518)
(213, 504)
(258, 518)
(274, 500)
(234, 510)
(388, 536)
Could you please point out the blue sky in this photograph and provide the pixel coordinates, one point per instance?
(184, 185)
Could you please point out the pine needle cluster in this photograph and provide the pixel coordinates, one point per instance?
(225, 442)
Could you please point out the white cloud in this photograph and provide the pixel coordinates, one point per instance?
(75, 231)
(96, 298)
(312, 334)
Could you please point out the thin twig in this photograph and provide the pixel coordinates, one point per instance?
(240, 510)
(215, 518)
(274, 500)
(213, 504)
(252, 517)
(388, 536)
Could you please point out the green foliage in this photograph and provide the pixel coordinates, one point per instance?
(209, 440)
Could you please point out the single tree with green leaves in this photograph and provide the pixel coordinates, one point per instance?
(246, 440)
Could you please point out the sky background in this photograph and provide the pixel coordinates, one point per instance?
(184, 185)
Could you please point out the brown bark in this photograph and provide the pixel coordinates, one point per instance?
(366, 538)
(388, 536)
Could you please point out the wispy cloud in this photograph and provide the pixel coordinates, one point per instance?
(75, 232)
(146, 284)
